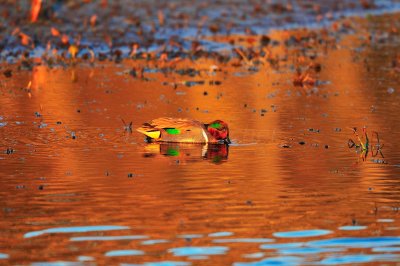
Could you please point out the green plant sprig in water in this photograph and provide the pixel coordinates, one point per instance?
(364, 146)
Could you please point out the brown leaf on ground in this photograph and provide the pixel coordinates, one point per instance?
(303, 79)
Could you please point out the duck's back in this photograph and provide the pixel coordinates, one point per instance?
(176, 130)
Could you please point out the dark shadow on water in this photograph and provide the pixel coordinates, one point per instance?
(215, 153)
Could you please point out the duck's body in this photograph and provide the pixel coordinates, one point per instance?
(168, 129)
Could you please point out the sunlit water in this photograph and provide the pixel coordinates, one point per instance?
(77, 188)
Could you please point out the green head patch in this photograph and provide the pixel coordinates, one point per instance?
(215, 125)
(172, 131)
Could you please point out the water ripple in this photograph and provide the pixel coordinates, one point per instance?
(125, 252)
(75, 229)
(220, 234)
(154, 241)
(107, 238)
(243, 240)
(161, 263)
(357, 242)
(198, 251)
(304, 233)
(284, 260)
(358, 258)
(352, 227)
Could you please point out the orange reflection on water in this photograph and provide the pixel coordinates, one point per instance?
(289, 167)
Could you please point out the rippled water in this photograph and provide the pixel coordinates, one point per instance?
(78, 189)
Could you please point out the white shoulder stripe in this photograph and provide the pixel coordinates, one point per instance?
(204, 135)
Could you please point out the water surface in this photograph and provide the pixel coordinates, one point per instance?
(77, 188)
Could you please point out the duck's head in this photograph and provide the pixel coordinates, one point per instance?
(219, 130)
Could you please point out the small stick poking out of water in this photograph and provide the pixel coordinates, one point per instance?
(127, 127)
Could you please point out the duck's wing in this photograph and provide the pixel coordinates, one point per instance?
(178, 123)
(175, 130)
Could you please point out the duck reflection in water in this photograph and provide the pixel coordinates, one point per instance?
(184, 152)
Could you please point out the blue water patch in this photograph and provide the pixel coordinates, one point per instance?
(304, 233)
(58, 263)
(190, 236)
(256, 255)
(358, 258)
(3, 124)
(352, 227)
(385, 220)
(107, 238)
(220, 234)
(308, 250)
(284, 245)
(154, 241)
(124, 252)
(243, 240)
(160, 263)
(357, 242)
(85, 258)
(284, 260)
(386, 249)
(198, 251)
(198, 257)
(4, 256)
(75, 229)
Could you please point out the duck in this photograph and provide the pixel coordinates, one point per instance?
(182, 130)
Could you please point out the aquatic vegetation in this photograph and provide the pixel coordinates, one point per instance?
(366, 144)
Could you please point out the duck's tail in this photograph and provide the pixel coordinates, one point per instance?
(149, 131)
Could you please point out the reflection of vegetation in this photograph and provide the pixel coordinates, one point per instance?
(365, 145)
